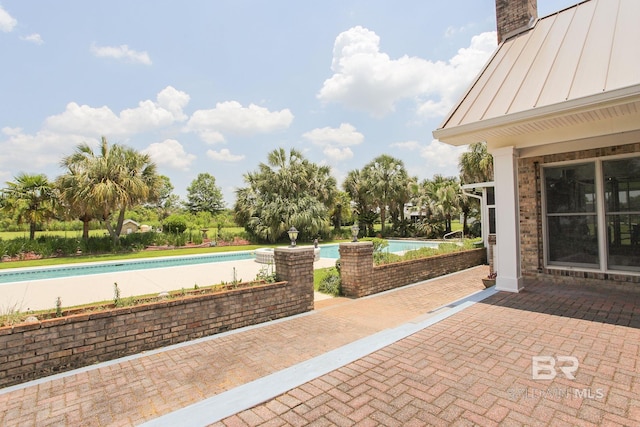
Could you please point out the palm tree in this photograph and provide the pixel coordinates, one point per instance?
(386, 178)
(358, 191)
(31, 198)
(397, 206)
(140, 181)
(286, 191)
(71, 187)
(445, 197)
(111, 181)
(476, 165)
(341, 210)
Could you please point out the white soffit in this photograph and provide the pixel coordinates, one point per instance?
(572, 68)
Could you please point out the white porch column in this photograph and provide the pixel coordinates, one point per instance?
(505, 168)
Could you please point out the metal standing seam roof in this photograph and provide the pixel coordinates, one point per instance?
(588, 49)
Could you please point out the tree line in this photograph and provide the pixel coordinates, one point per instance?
(287, 190)
(102, 186)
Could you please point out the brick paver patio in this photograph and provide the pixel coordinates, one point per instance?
(475, 368)
(472, 368)
(134, 390)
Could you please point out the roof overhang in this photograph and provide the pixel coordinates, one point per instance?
(604, 113)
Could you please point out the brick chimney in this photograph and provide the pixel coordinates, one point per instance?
(513, 15)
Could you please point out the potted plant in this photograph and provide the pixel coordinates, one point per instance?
(490, 280)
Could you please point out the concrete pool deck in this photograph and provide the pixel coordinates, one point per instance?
(76, 290)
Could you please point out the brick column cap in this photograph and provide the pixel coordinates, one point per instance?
(299, 249)
(355, 244)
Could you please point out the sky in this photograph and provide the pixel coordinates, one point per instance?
(215, 85)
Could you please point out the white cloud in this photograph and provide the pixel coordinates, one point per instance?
(369, 80)
(443, 155)
(122, 52)
(458, 74)
(232, 117)
(173, 100)
(224, 155)
(170, 153)
(7, 22)
(335, 141)
(344, 135)
(148, 115)
(338, 153)
(407, 145)
(61, 133)
(11, 131)
(35, 152)
(33, 38)
(210, 136)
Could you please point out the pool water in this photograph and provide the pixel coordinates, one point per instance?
(22, 275)
(395, 246)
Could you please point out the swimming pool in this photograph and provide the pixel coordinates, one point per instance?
(28, 274)
(22, 275)
(395, 246)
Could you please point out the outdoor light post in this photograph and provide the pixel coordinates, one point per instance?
(293, 236)
(354, 232)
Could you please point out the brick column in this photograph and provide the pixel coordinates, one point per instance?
(356, 267)
(295, 265)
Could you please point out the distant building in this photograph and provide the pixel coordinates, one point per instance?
(130, 226)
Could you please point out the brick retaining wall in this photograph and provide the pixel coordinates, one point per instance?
(361, 278)
(34, 350)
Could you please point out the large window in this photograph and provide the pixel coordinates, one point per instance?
(592, 214)
(622, 204)
(572, 224)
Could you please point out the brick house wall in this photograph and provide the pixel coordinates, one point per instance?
(531, 217)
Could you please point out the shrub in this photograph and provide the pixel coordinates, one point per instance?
(330, 283)
(18, 246)
(266, 274)
(385, 258)
(231, 235)
(378, 243)
(53, 245)
(138, 241)
(195, 237)
(342, 233)
(97, 245)
(444, 248)
(175, 224)
(176, 239)
(430, 230)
